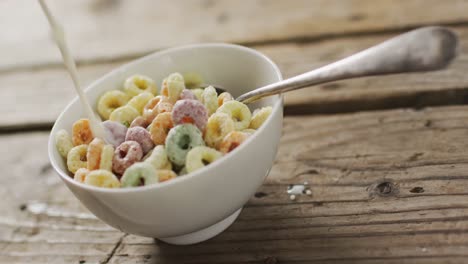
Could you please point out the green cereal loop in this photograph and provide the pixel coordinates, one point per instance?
(180, 140)
(63, 142)
(201, 156)
(239, 112)
(138, 173)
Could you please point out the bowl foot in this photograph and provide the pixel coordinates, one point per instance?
(203, 234)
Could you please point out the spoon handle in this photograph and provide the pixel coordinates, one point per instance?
(425, 49)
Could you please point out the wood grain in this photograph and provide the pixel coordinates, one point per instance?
(109, 29)
(387, 187)
(36, 97)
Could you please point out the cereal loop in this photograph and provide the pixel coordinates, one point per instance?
(260, 116)
(200, 157)
(224, 97)
(124, 115)
(139, 101)
(125, 155)
(218, 126)
(198, 93)
(81, 132)
(192, 80)
(139, 122)
(175, 84)
(139, 174)
(115, 132)
(158, 158)
(102, 178)
(180, 140)
(232, 141)
(186, 94)
(76, 158)
(137, 84)
(106, 158)
(165, 175)
(210, 99)
(63, 142)
(80, 175)
(109, 101)
(160, 127)
(190, 111)
(239, 112)
(142, 136)
(93, 155)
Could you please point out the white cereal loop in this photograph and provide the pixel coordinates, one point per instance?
(239, 113)
(109, 101)
(102, 178)
(80, 175)
(124, 115)
(201, 156)
(63, 142)
(210, 99)
(76, 158)
(259, 117)
(137, 84)
(139, 101)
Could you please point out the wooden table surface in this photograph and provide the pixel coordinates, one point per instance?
(386, 157)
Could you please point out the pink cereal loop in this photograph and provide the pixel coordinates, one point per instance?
(190, 111)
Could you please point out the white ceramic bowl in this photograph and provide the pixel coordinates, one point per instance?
(198, 206)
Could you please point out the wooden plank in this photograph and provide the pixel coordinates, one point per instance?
(380, 194)
(36, 97)
(107, 29)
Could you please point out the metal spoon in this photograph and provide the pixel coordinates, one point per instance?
(425, 49)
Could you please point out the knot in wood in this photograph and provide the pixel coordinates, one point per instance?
(270, 260)
(384, 189)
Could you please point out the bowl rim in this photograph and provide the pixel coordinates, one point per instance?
(277, 107)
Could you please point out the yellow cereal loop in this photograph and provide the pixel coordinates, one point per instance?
(80, 175)
(165, 175)
(124, 115)
(107, 155)
(260, 116)
(158, 158)
(138, 84)
(210, 99)
(198, 93)
(224, 97)
(192, 80)
(217, 127)
(76, 158)
(175, 85)
(63, 142)
(239, 113)
(102, 178)
(199, 157)
(139, 101)
(109, 101)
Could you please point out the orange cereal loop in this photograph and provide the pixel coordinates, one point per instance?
(81, 132)
(160, 127)
(165, 175)
(93, 156)
(151, 109)
(232, 141)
